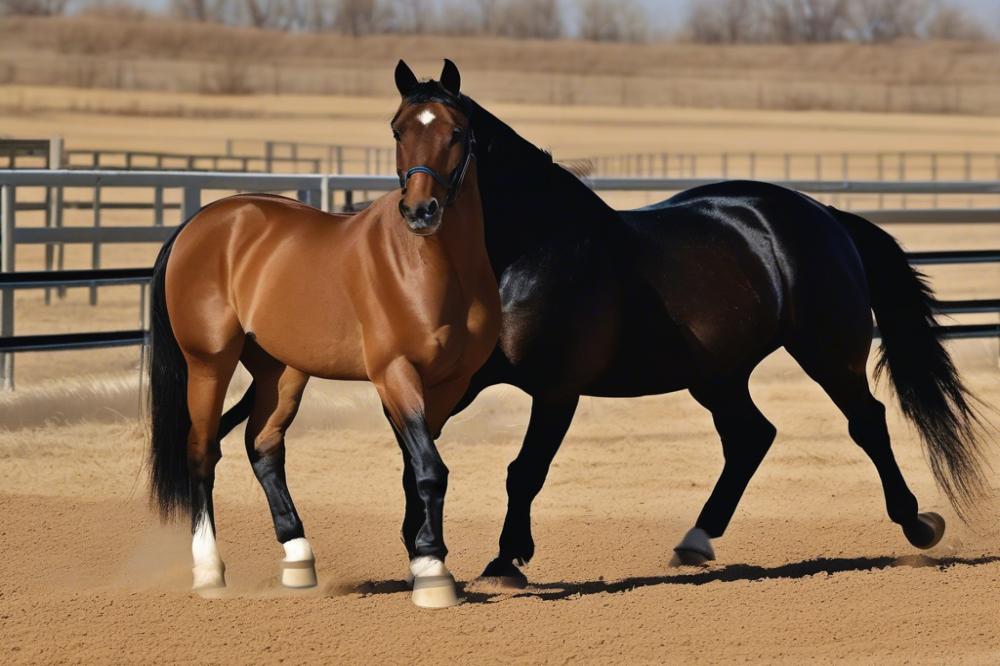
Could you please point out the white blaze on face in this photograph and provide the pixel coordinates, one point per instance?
(426, 117)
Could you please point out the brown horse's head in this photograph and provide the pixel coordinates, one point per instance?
(433, 146)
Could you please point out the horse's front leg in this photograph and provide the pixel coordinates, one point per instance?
(402, 392)
(550, 419)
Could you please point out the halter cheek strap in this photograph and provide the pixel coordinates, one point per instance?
(453, 184)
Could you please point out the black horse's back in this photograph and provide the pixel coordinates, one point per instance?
(740, 265)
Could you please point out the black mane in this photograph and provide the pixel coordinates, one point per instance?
(427, 92)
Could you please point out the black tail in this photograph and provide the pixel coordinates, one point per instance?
(927, 384)
(168, 411)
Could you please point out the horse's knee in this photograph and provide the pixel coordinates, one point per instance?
(432, 477)
(749, 440)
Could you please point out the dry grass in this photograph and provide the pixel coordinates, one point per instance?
(162, 55)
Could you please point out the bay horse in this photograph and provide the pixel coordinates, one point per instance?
(401, 295)
(692, 294)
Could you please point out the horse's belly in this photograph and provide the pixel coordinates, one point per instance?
(316, 332)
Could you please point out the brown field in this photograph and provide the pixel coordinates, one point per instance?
(923, 77)
(811, 569)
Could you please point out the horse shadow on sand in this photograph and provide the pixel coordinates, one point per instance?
(474, 592)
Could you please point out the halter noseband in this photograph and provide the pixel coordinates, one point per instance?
(453, 184)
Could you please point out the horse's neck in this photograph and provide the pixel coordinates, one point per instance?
(462, 231)
(547, 207)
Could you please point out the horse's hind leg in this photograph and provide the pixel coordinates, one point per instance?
(746, 437)
(277, 394)
(847, 385)
(208, 379)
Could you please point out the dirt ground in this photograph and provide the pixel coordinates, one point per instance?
(810, 570)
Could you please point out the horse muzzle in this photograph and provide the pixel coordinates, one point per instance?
(424, 219)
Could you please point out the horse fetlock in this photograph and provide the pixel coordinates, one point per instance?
(502, 572)
(208, 575)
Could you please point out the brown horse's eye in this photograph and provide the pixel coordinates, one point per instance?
(456, 135)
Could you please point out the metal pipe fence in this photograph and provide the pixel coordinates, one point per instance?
(321, 191)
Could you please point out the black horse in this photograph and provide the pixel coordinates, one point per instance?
(693, 293)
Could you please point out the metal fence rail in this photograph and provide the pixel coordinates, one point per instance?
(318, 190)
(881, 166)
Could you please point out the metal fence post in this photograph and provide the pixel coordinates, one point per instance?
(158, 206)
(95, 248)
(324, 194)
(192, 202)
(8, 204)
(54, 251)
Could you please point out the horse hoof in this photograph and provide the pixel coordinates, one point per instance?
(298, 575)
(433, 584)
(503, 574)
(694, 550)
(928, 531)
(209, 578)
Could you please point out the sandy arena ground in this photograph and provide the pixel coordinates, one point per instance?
(810, 570)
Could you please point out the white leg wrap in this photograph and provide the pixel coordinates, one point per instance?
(433, 584)
(209, 571)
(298, 569)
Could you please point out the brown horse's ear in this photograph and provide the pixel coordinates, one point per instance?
(406, 80)
(451, 80)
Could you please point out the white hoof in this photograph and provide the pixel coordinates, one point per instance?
(298, 569)
(433, 584)
(209, 576)
(695, 549)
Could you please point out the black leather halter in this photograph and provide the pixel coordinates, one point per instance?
(453, 184)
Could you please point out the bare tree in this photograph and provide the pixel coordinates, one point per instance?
(726, 21)
(119, 10)
(33, 7)
(792, 21)
(415, 16)
(530, 19)
(215, 11)
(489, 15)
(317, 15)
(622, 21)
(362, 17)
(952, 22)
(275, 14)
(888, 20)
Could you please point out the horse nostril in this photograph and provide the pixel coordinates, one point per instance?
(432, 207)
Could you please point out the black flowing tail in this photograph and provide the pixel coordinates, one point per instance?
(922, 373)
(168, 411)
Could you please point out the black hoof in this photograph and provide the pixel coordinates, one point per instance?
(926, 532)
(505, 574)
